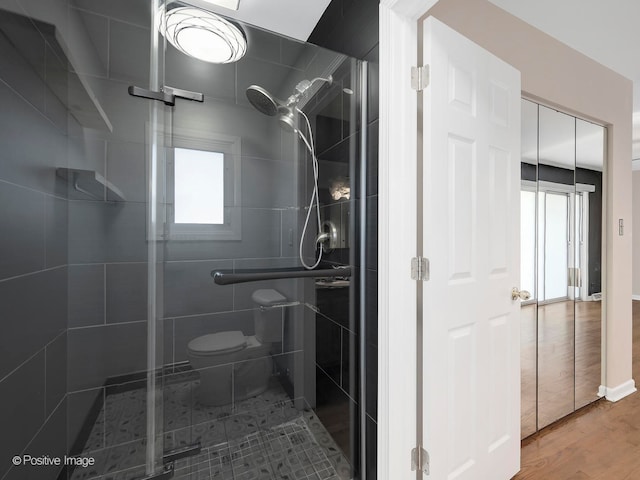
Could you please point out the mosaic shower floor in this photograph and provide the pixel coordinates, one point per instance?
(265, 437)
(287, 452)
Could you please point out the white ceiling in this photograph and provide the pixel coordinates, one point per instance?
(293, 18)
(606, 31)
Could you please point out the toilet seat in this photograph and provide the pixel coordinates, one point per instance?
(217, 343)
(232, 366)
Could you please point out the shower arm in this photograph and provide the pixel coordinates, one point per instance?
(303, 86)
(328, 80)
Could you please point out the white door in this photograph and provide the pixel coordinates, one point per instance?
(471, 188)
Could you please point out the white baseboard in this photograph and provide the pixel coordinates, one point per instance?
(614, 394)
(602, 391)
(635, 297)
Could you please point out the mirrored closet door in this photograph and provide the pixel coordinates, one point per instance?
(561, 264)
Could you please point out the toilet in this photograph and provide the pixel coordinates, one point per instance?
(234, 366)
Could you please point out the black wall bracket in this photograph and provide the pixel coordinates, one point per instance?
(167, 95)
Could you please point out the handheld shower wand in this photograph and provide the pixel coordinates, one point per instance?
(269, 105)
(314, 196)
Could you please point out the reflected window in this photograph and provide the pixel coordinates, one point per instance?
(528, 242)
(556, 245)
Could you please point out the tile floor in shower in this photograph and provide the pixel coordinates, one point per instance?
(265, 437)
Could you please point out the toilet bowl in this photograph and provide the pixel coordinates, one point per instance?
(234, 366)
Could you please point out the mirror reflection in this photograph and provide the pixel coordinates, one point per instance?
(561, 245)
(590, 148)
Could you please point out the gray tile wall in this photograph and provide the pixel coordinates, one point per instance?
(272, 198)
(97, 353)
(111, 237)
(107, 240)
(73, 273)
(336, 335)
(33, 246)
(48, 441)
(108, 243)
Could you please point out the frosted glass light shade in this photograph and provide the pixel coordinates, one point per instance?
(230, 4)
(203, 35)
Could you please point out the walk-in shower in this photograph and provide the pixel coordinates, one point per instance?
(129, 173)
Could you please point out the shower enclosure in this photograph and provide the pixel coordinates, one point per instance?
(131, 175)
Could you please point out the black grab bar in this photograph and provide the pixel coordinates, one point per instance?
(221, 277)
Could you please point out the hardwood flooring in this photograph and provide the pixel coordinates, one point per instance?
(599, 442)
(567, 342)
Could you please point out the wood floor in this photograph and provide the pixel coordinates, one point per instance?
(560, 348)
(600, 442)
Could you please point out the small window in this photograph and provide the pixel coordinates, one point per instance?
(199, 187)
(203, 187)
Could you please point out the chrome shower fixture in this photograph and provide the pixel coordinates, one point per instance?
(305, 85)
(287, 121)
(267, 104)
(262, 100)
(271, 106)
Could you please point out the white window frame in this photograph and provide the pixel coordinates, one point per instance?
(230, 147)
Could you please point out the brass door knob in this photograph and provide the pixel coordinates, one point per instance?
(519, 294)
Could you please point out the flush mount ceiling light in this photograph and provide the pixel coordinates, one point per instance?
(203, 35)
(231, 4)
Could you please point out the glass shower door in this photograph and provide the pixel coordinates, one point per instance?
(139, 359)
(158, 465)
(114, 175)
(261, 377)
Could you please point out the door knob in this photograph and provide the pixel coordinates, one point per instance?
(519, 294)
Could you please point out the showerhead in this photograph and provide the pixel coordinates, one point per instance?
(262, 100)
(269, 105)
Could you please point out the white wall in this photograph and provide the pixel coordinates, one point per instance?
(636, 229)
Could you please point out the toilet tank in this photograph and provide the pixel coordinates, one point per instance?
(269, 315)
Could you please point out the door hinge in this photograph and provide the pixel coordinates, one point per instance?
(420, 460)
(420, 268)
(420, 77)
